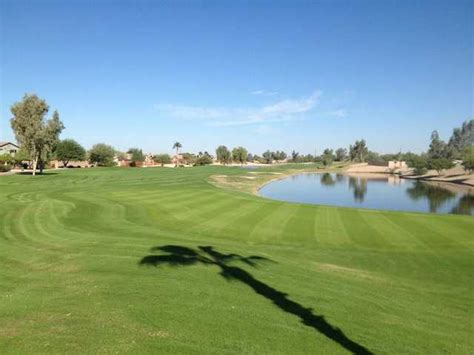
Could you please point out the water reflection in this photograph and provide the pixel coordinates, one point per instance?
(358, 185)
(327, 180)
(372, 191)
(465, 205)
(340, 177)
(435, 195)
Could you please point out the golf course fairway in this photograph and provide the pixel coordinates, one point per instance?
(161, 260)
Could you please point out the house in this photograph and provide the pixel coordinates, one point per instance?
(397, 164)
(8, 148)
(392, 164)
(149, 160)
(178, 160)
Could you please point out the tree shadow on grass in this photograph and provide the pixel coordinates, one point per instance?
(182, 256)
(37, 174)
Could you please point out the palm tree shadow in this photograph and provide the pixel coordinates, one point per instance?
(183, 256)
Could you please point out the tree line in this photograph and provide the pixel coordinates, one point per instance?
(40, 143)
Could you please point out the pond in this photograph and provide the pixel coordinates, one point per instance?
(375, 191)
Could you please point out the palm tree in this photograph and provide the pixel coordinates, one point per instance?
(176, 146)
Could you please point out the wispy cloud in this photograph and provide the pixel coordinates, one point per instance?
(265, 130)
(280, 111)
(341, 113)
(264, 93)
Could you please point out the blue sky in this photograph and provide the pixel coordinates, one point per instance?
(266, 75)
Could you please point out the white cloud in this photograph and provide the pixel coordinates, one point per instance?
(341, 113)
(280, 111)
(264, 93)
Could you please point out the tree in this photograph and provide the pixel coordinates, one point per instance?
(239, 154)
(468, 159)
(440, 164)
(69, 149)
(341, 154)
(102, 155)
(437, 148)
(409, 157)
(294, 156)
(223, 155)
(250, 157)
(419, 163)
(374, 157)
(267, 157)
(136, 156)
(177, 146)
(37, 136)
(358, 152)
(189, 158)
(461, 138)
(162, 159)
(278, 156)
(327, 157)
(308, 158)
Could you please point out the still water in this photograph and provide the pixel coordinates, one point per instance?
(386, 192)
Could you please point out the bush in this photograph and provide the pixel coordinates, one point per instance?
(189, 158)
(203, 160)
(162, 159)
(6, 158)
(5, 168)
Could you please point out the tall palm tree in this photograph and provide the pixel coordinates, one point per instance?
(176, 146)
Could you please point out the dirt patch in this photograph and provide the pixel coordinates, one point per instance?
(9, 331)
(349, 272)
(159, 334)
(456, 175)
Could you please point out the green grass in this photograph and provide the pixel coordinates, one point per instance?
(71, 244)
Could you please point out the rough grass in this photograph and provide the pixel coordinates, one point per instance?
(229, 272)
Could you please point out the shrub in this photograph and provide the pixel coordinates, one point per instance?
(5, 168)
(162, 159)
(6, 158)
(203, 160)
(189, 158)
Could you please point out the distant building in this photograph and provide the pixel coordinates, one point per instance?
(392, 164)
(149, 160)
(397, 164)
(178, 160)
(8, 148)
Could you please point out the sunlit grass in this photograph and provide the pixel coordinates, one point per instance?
(73, 245)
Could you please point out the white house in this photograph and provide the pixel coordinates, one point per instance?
(8, 148)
